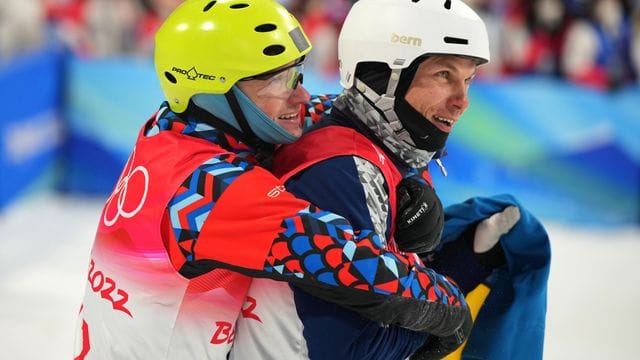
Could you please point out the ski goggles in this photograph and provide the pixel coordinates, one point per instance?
(281, 82)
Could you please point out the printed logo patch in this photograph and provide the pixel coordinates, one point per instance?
(193, 74)
(130, 193)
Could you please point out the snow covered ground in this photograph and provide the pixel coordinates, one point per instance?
(593, 290)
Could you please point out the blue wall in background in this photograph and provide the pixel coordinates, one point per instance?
(106, 103)
(31, 130)
(568, 153)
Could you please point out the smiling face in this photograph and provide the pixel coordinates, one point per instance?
(439, 90)
(280, 96)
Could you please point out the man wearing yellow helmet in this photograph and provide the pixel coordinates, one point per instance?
(195, 216)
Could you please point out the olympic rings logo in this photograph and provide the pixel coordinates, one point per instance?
(120, 193)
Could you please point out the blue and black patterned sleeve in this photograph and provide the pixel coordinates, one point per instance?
(232, 215)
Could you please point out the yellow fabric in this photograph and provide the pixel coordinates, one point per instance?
(206, 46)
(475, 299)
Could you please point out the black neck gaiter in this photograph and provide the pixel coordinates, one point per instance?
(424, 134)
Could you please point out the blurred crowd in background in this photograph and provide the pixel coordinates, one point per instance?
(595, 43)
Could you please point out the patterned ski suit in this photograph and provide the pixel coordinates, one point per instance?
(176, 251)
(348, 174)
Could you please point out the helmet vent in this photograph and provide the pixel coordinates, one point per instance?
(265, 28)
(209, 6)
(239, 6)
(170, 77)
(273, 50)
(455, 40)
(447, 4)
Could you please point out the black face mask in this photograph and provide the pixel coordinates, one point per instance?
(424, 134)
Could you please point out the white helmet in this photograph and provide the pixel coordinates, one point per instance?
(396, 32)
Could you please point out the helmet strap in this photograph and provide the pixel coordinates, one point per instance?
(386, 103)
(264, 150)
(247, 133)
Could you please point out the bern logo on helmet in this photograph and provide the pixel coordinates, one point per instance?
(408, 40)
(193, 74)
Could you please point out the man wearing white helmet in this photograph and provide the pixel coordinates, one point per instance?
(406, 66)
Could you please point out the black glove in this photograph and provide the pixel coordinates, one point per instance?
(420, 217)
(438, 347)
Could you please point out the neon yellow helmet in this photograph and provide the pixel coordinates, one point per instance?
(206, 46)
